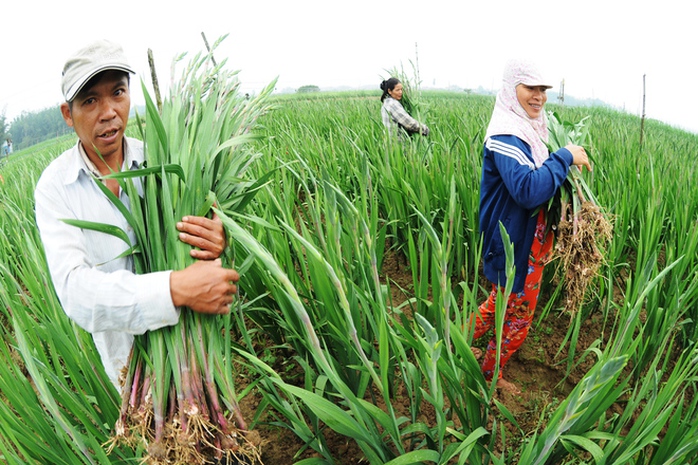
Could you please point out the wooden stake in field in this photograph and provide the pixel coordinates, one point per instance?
(208, 48)
(154, 78)
(642, 120)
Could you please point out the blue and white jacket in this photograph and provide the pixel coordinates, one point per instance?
(511, 190)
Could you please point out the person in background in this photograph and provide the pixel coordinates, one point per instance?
(519, 177)
(96, 286)
(394, 116)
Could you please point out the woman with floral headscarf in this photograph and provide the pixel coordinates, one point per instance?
(518, 177)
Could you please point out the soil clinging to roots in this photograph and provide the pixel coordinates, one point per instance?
(579, 245)
(200, 443)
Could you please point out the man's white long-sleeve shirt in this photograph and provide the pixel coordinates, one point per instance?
(97, 290)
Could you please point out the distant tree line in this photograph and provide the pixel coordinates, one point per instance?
(31, 128)
(3, 127)
(306, 89)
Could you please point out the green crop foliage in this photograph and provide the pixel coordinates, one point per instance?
(338, 204)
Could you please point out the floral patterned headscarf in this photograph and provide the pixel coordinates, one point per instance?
(509, 117)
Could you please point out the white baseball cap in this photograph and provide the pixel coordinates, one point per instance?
(87, 62)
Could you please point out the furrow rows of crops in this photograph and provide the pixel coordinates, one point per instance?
(360, 264)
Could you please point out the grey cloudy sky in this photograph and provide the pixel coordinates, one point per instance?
(601, 49)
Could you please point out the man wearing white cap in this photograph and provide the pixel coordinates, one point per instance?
(95, 285)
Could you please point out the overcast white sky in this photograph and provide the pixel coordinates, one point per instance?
(601, 48)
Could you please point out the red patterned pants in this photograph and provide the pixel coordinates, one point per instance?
(520, 306)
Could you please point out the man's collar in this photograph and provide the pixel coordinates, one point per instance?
(129, 162)
(81, 162)
(90, 167)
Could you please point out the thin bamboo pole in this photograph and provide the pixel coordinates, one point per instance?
(154, 77)
(642, 120)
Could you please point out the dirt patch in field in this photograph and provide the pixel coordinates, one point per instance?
(537, 368)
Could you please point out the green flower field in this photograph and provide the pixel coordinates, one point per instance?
(360, 269)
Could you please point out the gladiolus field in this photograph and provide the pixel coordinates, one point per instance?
(360, 264)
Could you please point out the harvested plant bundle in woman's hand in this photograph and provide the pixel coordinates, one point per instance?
(179, 401)
(583, 229)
